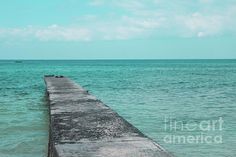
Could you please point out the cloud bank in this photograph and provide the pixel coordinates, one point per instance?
(138, 19)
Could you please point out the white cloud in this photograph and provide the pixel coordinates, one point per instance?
(52, 32)
(123, 28)
(56, 32)
(199, 25)
(212, 18)
(145, 23)
(204, 24)
(137, 19)
(96, 2)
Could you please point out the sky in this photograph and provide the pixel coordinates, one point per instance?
(118, 29)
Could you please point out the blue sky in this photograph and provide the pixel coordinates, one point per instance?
(117, 29)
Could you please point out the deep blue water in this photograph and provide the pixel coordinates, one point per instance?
(143, 91)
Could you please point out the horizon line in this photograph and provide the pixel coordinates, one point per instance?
(97, 59)
(117, 59)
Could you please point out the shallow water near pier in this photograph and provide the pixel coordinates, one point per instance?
(144, 92)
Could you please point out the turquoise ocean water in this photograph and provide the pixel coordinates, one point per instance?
(144, 92)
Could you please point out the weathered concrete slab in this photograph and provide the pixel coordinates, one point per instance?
(82, 126)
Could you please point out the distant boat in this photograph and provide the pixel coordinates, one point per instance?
(18, 61)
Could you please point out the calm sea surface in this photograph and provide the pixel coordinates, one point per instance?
(145, 92)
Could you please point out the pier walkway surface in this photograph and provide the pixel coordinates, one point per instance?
(82, 126)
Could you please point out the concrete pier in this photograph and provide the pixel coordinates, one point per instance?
(82, 126)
